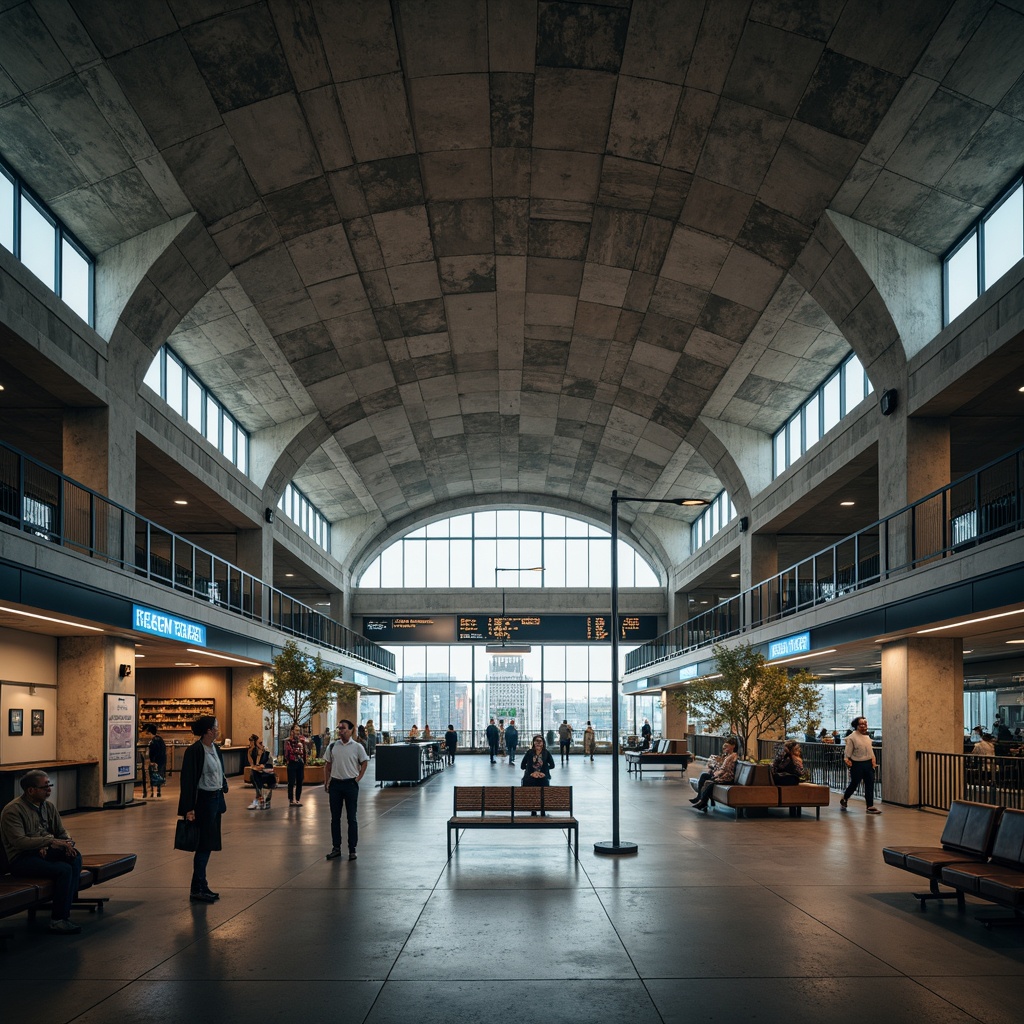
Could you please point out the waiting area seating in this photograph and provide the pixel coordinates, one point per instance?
(515, 807)
(33, 894)
(981, 854)
(665, 755)
(754, 787)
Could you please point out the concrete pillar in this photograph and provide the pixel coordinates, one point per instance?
(246, 717)
(337, 612)
(99, 450)
(254, 552)
(922, 708)
(675, 720)
(86, 668)
(759, 560)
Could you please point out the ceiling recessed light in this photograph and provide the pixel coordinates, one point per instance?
(185, 664)
(180, 501)
(847, 504)
(139, 655)
(289, 574)
(1019, 389)
(734, 575)
(1010, 642)
(836, 668)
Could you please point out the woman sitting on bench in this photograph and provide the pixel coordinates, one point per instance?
(537, 764)
(725, 772)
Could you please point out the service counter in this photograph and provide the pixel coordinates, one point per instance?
(407, 762)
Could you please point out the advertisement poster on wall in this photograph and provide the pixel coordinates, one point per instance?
(119, 738)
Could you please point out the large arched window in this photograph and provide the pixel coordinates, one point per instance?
(478, 548)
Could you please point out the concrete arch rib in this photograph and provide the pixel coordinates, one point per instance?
(836, 279)
(146, 285)
(365, 547)
(739, 456)
(279, 453)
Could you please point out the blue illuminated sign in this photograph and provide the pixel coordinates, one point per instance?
(150, 620)
(798, 643)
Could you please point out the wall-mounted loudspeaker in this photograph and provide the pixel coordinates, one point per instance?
(268, 515)
(123, 671)
(744, 524)
(887, 403)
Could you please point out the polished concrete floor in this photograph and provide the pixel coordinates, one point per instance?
(765, 919)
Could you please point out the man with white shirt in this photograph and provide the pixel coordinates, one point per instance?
(345, 765)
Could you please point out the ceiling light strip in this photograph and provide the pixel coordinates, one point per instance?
(49, 618)
(971, 622)
(224, 657)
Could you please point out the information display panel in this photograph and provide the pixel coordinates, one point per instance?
(561, 629)
(486, 629)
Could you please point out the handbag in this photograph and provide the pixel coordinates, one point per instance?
(155, 777)
(186, 835)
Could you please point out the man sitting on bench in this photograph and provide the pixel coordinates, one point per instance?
(38, 846)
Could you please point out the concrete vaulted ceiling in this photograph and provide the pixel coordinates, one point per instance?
(499, 248)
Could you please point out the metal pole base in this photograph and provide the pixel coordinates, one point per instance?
(611, 848)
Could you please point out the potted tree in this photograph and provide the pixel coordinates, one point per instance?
(298, 687)
(750, 695)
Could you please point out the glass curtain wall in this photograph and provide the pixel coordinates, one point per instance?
(466, 687)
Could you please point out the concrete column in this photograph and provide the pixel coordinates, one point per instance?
(246, 717)
(86, 668)
(759, 560)
(350, 710)
(254, 552)
(922, 708)
(337, 612)
(674, 719)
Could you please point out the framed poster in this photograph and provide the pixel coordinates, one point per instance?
(37, 721)
(15, 722)
(119, 728)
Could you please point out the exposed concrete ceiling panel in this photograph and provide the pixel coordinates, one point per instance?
(499, 248)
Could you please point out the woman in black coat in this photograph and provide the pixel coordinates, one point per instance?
(537, 763)
(203, 785)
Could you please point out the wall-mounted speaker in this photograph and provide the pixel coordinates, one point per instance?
(744, 524)
(887, 403)
(123, 671)
(268, 515)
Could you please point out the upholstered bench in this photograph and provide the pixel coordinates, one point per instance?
(966, 839)
(753, 787)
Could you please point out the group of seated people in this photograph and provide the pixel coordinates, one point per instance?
(787, 770)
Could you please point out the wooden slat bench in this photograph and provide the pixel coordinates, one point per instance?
(515, 807)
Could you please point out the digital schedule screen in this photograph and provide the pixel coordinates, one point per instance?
(488, 629)
(562, 629)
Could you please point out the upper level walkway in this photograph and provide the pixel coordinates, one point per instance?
(714, 918)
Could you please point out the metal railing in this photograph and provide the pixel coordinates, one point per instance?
(825, 763)
(51, 507)
(975, 509)
(943, 778)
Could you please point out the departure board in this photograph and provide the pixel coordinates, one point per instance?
(495, 629)
(563, 629)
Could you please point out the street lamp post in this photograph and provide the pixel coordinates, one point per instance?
(617, 846)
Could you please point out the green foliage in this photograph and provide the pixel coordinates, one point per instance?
(751, 696)
(295, 687)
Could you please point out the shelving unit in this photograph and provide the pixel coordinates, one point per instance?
(174, 714)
